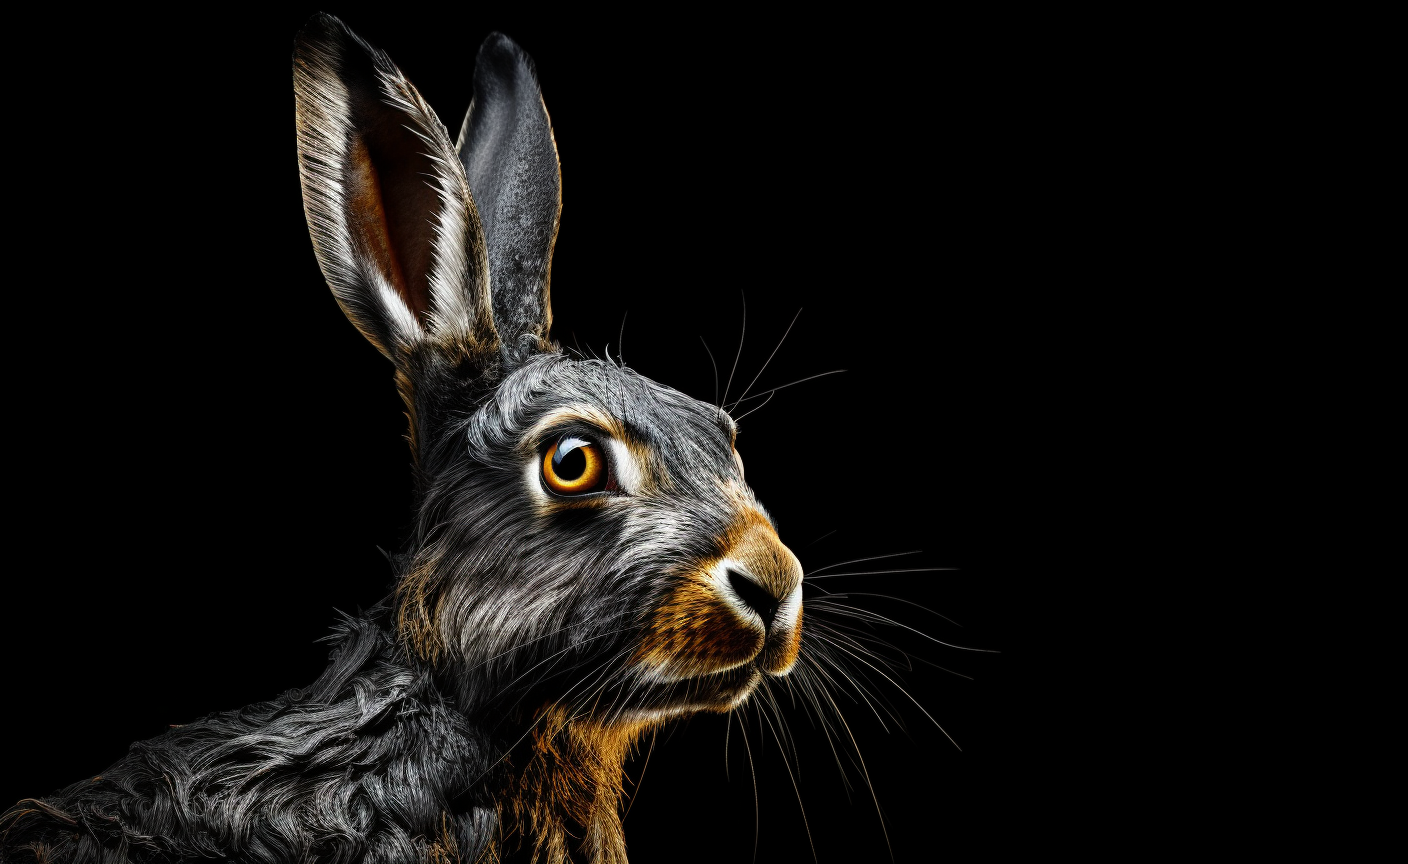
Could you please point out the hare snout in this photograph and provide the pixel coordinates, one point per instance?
(765, 579)
(780, 614)
(743, 608)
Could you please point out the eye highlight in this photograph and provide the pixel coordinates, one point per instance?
(575, 466)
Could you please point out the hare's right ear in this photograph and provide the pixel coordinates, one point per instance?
(393, 224)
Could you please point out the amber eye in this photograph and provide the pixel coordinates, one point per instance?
(574, 466)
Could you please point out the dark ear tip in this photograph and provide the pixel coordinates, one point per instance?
(319, 26)
(319, 33)
(502, 54)
(499, 43)
(327, 34)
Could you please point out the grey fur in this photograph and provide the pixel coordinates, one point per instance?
(510, 159)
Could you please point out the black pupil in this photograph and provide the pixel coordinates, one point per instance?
(569, 464)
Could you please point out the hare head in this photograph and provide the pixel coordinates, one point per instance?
(584, 541)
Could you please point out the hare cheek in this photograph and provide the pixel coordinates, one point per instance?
(696, 631)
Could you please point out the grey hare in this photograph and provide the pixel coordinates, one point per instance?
(587, 560)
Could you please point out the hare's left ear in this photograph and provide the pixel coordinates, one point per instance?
(510, 159)
(388, 205)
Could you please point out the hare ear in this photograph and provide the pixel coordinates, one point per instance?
(388, 206)
(510, 158)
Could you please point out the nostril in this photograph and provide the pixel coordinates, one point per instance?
(754, 596)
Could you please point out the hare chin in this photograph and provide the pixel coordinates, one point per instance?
(718, 691)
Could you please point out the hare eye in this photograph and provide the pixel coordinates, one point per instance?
(574, 466)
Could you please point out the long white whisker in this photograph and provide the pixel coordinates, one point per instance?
(865, 772)
(793, 778)
(858, 560)
(742, 334)
(621, 340)
(881, 572)
(760, 406)
(907, 696)
(844, 594)
(803, 674)
(762, 393)
(860, 691)
(715, 367)
(749, 748)
(835, 628)
(770, 356)
(876, 616)
(727, 730)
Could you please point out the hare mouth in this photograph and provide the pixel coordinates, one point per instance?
(715, 691)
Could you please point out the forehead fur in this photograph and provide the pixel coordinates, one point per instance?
(693, 439)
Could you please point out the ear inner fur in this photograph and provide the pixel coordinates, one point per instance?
(389, 209)
(370, 228)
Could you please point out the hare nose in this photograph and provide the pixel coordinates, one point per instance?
(753, 595)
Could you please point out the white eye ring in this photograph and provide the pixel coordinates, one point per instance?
(623, 462)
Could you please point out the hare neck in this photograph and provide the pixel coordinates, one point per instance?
(565, 782)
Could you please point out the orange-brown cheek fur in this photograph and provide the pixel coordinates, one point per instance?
(695, 633)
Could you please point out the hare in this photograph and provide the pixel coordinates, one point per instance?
(586, 562)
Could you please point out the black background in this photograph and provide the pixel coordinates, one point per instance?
(213, 454)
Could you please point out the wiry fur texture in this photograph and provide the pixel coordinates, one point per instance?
(485, 711)
(362, 765)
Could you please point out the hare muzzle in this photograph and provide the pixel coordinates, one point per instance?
(743, 608)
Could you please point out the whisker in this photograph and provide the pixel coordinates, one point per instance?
(864, 694)
(621, 340)
(909, 697)
(716, 371)
(753, 772)
(883, 572)
(805, 684)
(793, 778)
(762, 393)
(842, 594)
(743, 333)
(893, 623)
(770, 356)
(751, 410)
(727, 730)
(771, 698)
(861, 560)
(865, 772)
(856, 639)
(829, 627)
